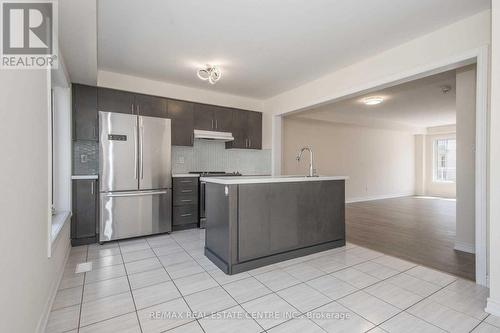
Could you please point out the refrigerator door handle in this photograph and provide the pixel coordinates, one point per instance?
(136, 171)
(135, 194)
(141, 141)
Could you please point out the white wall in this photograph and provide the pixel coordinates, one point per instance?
(28, 276)
(494, 166)
(466, 158)
(380, 163)
(164, 89)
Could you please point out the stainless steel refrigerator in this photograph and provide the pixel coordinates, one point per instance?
(135, 176)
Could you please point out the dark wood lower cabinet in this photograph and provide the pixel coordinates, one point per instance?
(84, 221)
(185, 199)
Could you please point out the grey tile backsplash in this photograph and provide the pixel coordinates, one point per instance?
(85, 158)
(213, 156)
(203, 156)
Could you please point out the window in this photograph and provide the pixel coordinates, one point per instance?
(445, 169)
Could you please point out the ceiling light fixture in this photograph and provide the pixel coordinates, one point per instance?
(210, 73)
(373, 100)
(445, 89)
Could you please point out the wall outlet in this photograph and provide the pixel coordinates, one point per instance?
(83, 158)
(180, 160)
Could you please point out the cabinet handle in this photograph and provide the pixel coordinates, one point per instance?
(216, 124)
(92, 188)
(138, 108)
(186, 181)
(187, 191)
(212, 124)
(184, 215)
(186, 200)
(132, 107)
(249, 143)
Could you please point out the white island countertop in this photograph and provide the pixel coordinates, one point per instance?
(268, 179)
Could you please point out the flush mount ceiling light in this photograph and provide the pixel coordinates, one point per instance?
(209, 73)
(373, 100)
(445, 89)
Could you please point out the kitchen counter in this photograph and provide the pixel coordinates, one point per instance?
(79, 177)
(268, 179)
(185, 175)
(258, 221)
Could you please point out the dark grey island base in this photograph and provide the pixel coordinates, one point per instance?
(254, 222)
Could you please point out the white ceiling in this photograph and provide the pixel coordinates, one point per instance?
(263, 47)
(411, 106)
(78, 39)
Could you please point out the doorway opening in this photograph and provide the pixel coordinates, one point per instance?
(424, 218)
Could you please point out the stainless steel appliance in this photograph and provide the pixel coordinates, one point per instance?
(135, 176)
(203, 216)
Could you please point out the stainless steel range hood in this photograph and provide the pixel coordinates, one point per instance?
(212, 135)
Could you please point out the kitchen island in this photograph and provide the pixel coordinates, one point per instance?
(257, 221)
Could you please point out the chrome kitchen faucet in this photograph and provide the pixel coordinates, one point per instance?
(312, 171)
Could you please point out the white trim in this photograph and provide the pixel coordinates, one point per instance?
(58, 222)
(481, 164)
(493, 306)
(380, 197)
(480, 56)
(465, 247)
(277, 138)
(49, 162)
(44, 318)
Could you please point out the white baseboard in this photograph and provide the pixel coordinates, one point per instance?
(44, 318)
(465, 247)
(379, 197)
(493, 307)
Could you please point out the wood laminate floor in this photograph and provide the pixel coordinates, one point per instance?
(418, 229)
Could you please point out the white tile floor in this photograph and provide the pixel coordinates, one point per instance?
(165, 283)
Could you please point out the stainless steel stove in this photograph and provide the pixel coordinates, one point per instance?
(203, 214)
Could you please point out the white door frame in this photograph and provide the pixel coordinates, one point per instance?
(480, 56)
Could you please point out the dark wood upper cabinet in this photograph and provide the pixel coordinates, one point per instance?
(204, 117)
(150, 106)
(223, 119)
(239, 123)
(246, 129)
(254, 130)
(246, 126)
(85, 117)
(112, 100)
(182, 115)
(212, 118)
